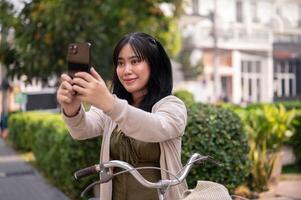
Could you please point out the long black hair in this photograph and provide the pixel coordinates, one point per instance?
(160, 82)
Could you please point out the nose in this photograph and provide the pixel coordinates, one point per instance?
(128, 68)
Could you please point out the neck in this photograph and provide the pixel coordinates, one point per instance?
(138, 97)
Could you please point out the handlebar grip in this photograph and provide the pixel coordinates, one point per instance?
(86, 172)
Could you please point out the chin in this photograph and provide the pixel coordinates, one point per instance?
(130, 90)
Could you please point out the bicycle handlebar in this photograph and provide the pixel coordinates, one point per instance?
(105, 175)
(86, 171)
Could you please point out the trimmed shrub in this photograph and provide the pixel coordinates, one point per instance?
(289, 105)
(56, 153)
(219, 133)
(23, 128)
(186, 96)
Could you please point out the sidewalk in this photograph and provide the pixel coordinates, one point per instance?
(18, 180)
(285, 190)
(289, 189)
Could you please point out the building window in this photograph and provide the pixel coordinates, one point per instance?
(251, 81)
(239, 11)
(284, 78)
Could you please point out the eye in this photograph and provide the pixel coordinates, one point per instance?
(135, 61)
(120, 63)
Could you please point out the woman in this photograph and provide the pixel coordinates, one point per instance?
(141, 122)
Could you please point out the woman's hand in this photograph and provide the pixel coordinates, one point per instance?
(92, 89)
(66, 96)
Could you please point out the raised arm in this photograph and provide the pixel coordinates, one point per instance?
(86, 124)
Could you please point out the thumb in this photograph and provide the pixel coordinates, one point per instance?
(95, 74)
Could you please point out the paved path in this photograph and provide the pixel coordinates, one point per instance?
(290, 189)
(19, 181)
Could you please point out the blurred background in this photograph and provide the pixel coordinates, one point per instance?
(236, 65)
(222, 50)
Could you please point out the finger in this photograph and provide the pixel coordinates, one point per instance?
(65, 77)
(80, 82)
(69, 93)
(64, 99)
(66, 85)
(84, 75)
(79, 90)
(95, 74)
(81, 97)
(65, 93)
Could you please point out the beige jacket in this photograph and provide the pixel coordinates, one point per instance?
(165, 124)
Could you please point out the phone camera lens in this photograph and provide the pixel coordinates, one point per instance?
(73, 49)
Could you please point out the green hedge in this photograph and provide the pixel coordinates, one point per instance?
(210, 131)
(219, 133)
(287, 104)
(57, 154)
(186, 96)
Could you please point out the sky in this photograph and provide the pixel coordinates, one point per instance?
(18, 3)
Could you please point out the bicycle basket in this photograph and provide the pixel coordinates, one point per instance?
(207, 190)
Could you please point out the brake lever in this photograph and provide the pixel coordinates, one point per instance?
(104, 174)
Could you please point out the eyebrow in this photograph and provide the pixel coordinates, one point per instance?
(131, 57)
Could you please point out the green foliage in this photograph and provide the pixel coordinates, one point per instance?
(6, 16)
(7, 20)
(190, 70)
(22, 133)
(210, 131)
(295, 141)
(268, 127)
(219, 133)
(289, 105)
(43, 29)
(186, 96)
(56, 153)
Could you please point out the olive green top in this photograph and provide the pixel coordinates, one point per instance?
(138, 154)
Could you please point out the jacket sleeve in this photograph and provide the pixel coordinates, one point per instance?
(167, 120)
(85, 124)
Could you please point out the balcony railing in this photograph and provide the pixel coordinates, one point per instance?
(231, 36)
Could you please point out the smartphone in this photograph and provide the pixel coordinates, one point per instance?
(79, 58)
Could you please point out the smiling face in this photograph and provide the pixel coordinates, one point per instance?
(133, 72)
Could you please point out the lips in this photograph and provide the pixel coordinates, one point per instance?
(129, 81)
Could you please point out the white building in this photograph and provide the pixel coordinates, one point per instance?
(251, 49)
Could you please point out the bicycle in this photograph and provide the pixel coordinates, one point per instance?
(161, 186)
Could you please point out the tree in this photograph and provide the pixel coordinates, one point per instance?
(190, 70)
(43, 29)
(7, 20)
